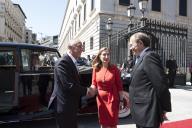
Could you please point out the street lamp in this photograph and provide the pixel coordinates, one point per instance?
(130, 13)
(143, 6)
(109, 29)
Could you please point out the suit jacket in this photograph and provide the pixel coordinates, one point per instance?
(67, 91)
(149, 94)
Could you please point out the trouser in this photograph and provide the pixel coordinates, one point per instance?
(171, 77)
(191, 78)
(145, 127)
(63, 122)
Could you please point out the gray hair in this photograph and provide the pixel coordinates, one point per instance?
(73, 42)
(143, 37)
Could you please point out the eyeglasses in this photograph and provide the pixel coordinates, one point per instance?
(79, 46)
(131, 46)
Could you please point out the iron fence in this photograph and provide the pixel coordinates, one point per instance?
(166, 39)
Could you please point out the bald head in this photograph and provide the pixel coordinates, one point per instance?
(73, 43)
(138, 42)
(140, 36)
(75, 48)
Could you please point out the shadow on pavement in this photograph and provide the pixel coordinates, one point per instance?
(127, 120)
(185, 87)
(87, 121)
(47, 123)
(84, 121)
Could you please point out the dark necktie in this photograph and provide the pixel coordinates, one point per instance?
(76, 67)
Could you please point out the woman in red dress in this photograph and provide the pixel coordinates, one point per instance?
(106, 80)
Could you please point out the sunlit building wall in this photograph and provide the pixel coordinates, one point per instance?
(12, 22)
(28, 36)
(86, 19)
(34, 38)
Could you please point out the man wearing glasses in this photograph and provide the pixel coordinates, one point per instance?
(148, 90)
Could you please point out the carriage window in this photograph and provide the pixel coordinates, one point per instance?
(38, 60)
(25, 56)
(7, 58)
(48, 58)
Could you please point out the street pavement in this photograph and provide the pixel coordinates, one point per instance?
(181, 99)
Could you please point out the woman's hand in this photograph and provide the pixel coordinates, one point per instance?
(91, 91)
(124, 96)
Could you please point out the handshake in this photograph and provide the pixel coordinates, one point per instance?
(91, 91)
(124, 96)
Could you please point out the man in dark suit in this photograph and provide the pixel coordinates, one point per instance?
(171, 65)
(67, 89)
(148, 91)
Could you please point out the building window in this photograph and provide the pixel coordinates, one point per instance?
(156, 5)
(75, 26)
(72, 30)
(79, 20)
(183, 7)
(91, 43)
(84, 12)
(83, 46)
(124, 2)
(92, 4)
(70, 33)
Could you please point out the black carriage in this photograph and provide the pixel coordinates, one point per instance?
(26, 82)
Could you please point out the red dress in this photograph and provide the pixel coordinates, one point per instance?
(108, 84)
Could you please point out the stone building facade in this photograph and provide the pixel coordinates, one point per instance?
(86, 20)
(12, 22)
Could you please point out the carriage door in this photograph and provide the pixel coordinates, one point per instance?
(7, 80)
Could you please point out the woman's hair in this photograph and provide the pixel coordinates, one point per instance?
(97, 63)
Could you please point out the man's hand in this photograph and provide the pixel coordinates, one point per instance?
(91, 92)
